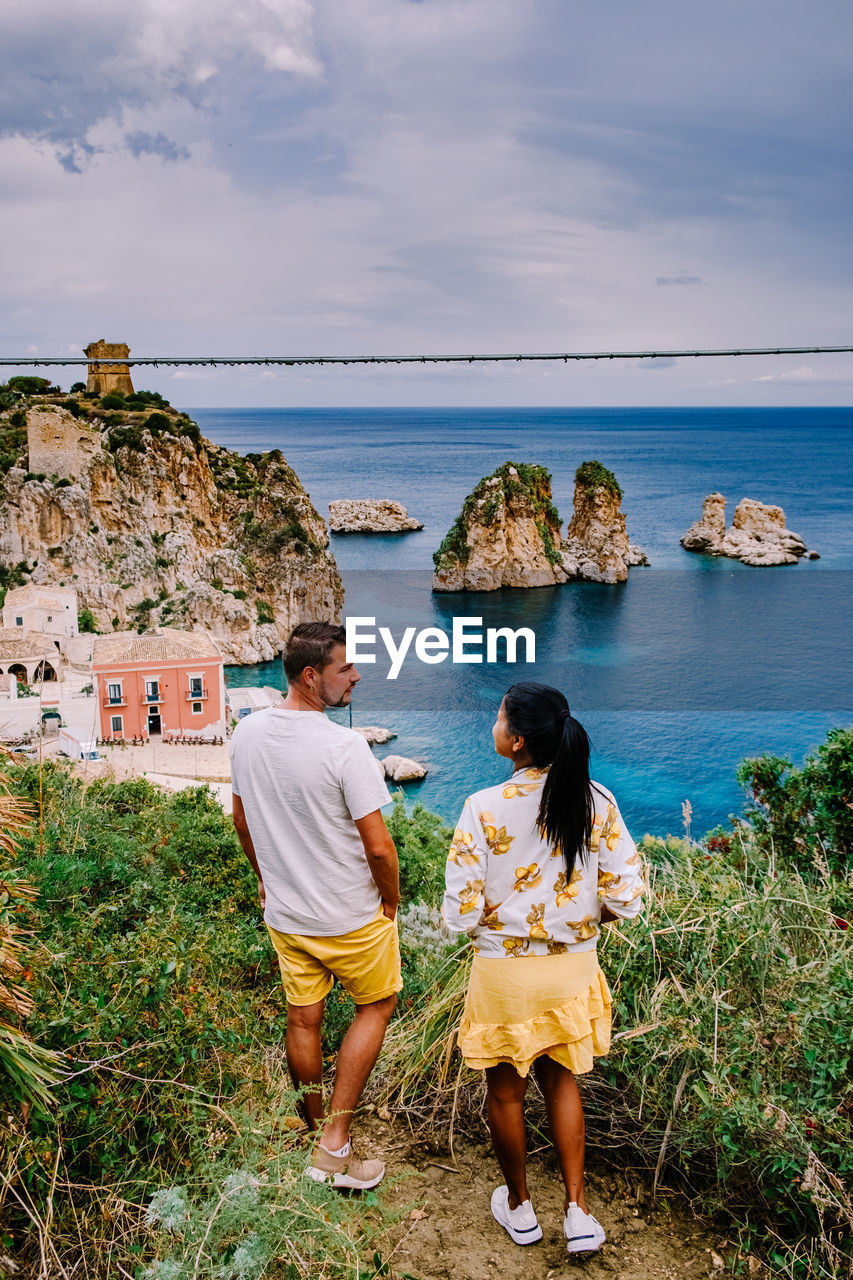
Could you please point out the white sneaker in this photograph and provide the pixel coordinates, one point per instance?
(520, 1224)
(583, 1232)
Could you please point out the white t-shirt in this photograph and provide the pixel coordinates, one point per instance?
(304, 781)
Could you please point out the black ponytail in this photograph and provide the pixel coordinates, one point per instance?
(555, 740)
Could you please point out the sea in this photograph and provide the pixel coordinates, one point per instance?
(693, 665)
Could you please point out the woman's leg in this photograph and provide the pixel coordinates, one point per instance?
(505, 1090)
(565, 1116)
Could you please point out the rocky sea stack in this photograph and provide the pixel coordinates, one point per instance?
(122, 498)
(757, 535)
(596, 548)
(370, 515)
(507, 535)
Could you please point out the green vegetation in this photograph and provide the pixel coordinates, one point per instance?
(154, 982)
(594, 475)
(734, 994)
(13, 441)
(806, 812)
(87, 622)
(28, 385)
(158, 423)
(12, 575)
(513, 482)
(113, 400)
(265, 613)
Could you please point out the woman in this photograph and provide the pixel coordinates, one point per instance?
(536, 864)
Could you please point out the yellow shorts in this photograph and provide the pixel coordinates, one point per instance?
(366, 962)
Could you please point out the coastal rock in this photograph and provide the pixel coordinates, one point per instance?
(507, 535)
(156, 525)
(596, 546)
(370, 515)
(708, 532)
(757, 535)
(374, 734)
(400, 769)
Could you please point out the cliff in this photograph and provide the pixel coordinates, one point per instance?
(757, 536)
(370, 515)
(152, 523)
(596, 547)
(507, 535)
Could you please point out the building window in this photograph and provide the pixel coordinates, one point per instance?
(196, 686)
(116, 724)
(19, 622)
(152, 690)
(197, 708)
(114, 692)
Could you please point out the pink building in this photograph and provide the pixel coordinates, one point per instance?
(165, 682)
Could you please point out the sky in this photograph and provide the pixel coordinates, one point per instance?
(398, 177)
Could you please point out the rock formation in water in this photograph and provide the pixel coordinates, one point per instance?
(370, 515)
(152, 523)
(757, 535)
(375, 734)
(507, 535)
(401, 769)
(596, 546)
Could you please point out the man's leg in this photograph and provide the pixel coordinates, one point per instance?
(356, 1059)
(305, 1057)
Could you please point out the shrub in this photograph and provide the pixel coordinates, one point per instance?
(157, 423)
(29, 385)
(265, 613)
(77, 387)
(594, 475)
(87, 623)
(113, 400)
(806, 814)
(158, 986)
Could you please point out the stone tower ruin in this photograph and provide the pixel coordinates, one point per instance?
(104, 378)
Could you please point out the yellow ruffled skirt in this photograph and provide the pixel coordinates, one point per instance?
(519, 1008)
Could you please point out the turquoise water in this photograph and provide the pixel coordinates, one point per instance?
(689, 667)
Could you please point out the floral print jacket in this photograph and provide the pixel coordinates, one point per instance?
(499, 858)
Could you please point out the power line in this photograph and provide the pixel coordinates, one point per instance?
(38, 362)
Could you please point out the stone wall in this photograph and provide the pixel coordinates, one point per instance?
(104, 378)
(59, 444)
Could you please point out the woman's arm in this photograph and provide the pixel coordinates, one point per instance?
(465, 875)
(620, 870)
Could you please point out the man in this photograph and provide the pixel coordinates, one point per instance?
(307, 795)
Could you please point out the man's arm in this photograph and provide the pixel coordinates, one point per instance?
(241, 826)
(381, 854)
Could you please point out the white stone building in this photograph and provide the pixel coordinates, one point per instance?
(50, 612)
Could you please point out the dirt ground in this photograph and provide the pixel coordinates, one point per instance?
(457, 1238)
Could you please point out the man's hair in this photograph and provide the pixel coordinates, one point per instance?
(310, 645)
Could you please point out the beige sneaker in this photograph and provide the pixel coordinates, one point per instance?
(345, 1171)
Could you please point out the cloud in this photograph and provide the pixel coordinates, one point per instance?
(64, 69)
(141, 143)
(380, 176)
(662, 362)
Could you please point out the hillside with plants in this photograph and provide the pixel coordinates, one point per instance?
(152, 523)
(153, 1130)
